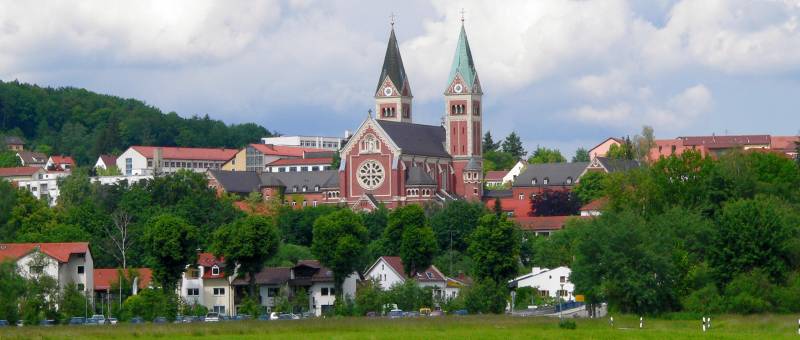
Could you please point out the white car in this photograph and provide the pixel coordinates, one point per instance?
(273, 316)
(212, 317)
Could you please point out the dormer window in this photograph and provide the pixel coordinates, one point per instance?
(214, 270)
(569, 180)
(316, 188)
(546, 181)
(294, 189)
(429, 275)
(305, 188)
(534, 181)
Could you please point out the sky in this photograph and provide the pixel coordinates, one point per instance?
(563, 74)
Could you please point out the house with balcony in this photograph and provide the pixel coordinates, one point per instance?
(388, 271)
(207, 284)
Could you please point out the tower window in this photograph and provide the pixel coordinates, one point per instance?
(546, 181)
(533, 181)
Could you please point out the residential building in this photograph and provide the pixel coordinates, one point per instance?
(318, 142)
(255, 157)
(14, 143)
(601, 150)
(206, 283)
(67, 263)
(594, 208)
(307, 275)
(60, 163)
(299, 164)
(494, 178)
(542, 225)
(105, 162)
(44, 185)
(298, 189)
(147, 160)
(106, 283)
(717, 145)
(552, 283)
(388, 271)
(21, 173)
(30, 158)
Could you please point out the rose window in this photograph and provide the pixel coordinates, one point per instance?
(370, 174)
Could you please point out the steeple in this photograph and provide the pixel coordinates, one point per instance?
(463, 66)
(393, 93)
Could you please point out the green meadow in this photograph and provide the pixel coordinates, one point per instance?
(450, 327)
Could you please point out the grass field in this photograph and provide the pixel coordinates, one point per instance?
(468, 327)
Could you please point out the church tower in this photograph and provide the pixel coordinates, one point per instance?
(393, 93)
(463, 120)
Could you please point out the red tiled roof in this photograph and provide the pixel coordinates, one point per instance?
(109, 160)
(209, 260)
(430, 275)
(496, 175)
(301, 161)
(58, 251)
(725, 141)
(105, 277)
(786, 143)
(542, 223)
(595, 205)
(58, 159)
(19, 171)
(397, 264)
(284, 150)
(200, 154)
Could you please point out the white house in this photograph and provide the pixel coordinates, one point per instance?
(60, 163)
(329, 143)
(517, 169)
(68, 263)
(145, 160)
(105, 162)
(206, 284)
(388, 271)
(44, 185)
(548, 282)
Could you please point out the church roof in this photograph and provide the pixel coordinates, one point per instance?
(245, 182)
(392, 65)
(462, 61)
(416, 139)
(473, 165)
(418, 176)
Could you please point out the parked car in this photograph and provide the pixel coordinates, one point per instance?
(98, 319)
(77, 320)
(137, 320)
(3, 323)
(263, 317)
(273, 316)
(112, 321)
(20, 323)
(307, 315)
(411, 314)
(47, 323)
(160, 320)
(372, 314)
(212, 317)
(395, 314)
(460, 312)
(437, 313)
(288, 316)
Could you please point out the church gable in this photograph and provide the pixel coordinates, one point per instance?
(388, 89)
(369, 138)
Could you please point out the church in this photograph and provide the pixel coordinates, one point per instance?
(389, 159)
(394, 161)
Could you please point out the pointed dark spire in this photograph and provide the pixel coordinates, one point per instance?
(393, 65)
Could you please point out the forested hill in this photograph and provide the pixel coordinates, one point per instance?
(85, 124)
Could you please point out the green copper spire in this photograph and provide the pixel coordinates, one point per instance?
(462, 61)
(392, 64)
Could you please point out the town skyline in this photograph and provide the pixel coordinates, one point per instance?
(559, 83)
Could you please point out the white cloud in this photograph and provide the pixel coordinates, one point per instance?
(612, 83)
(684, 108)
(614, 114)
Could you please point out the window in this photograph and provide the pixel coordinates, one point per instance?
(562, 293)
(36, 269)
(219, 309)
(192, 291)
(305, 188)
(429, 275)
(546, 181)
(562, 279)
(272, 292)
(81, 287)
(128, 166)
(475, 191)
(80, 269)
(569, 180)
(314, 203)
(294, 189)
(333, 291)
(324, 291)
(193, 273)
(521, 197)
(533, 181)
(316, 188)
(544, 293)
(214, 270)
(219, 291)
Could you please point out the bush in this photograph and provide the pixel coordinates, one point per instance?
(486, 296)
(369, 298)
(567, 324)
(748, 293)
(151, 303)
(409, 296)
(344, 306)
(704, 300)
(250, 307)
(194, 309)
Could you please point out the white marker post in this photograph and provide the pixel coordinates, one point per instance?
(611, 322)
(641, 322)
(798, 326)
(709, 322)
(704, 324)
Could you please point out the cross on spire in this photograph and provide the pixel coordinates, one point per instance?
(462, 15)
(391, 19)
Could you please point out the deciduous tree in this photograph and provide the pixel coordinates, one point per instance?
(171, 244)
(340, 238)
(247, 243)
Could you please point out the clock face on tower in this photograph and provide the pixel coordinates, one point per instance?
(458, 88)
(387, 91)
(370, 174)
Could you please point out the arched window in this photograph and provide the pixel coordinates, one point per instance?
(533, 181)
(305, 188)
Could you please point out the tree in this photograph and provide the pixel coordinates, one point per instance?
(337, 160)
(622, 151)
(494, 248)
(544, 155)
(72, 302)
(369, 297)
(171, 244)
(417, 248)
(591, 186)
(9, 159)
(489, 143)
(400, 219)
(340, 238)
(498, 160)
(121, 234)
(247, 243)
(12, 287)
(754, 233)
(486, 296)
(513, 146)
(555, 203)
(581, 155)
(644, 143)
(376, 221)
